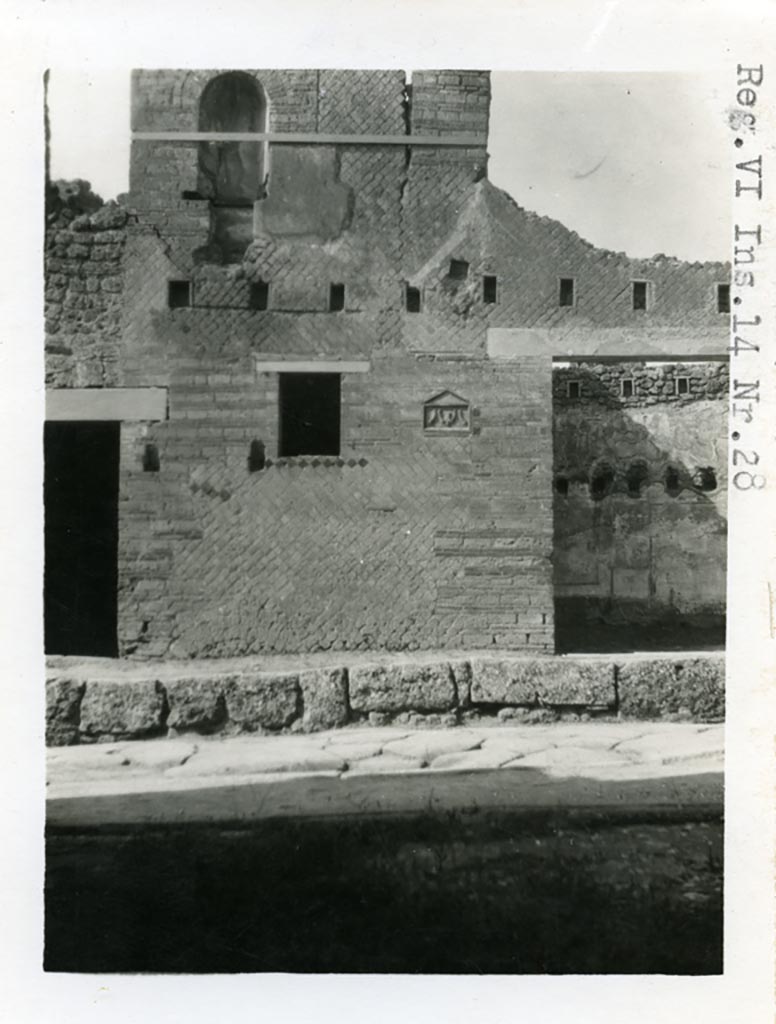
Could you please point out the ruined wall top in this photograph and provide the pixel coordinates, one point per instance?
(379, 102)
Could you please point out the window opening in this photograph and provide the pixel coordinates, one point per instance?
(150, 459)
(723, 298)
(178, 294)
(459, 270)
(259, 295)
(601, 481)
(682, 385)
(705, 479)
(412, 299)
(566, 292)
(672, 483)
(309, 414)
(635, 478)
(489, 288)
(573, 389)
(336, 297)
(626, 387)
(562, 485)
(256, 457)
(639, 294)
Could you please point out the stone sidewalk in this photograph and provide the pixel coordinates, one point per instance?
(608, 765)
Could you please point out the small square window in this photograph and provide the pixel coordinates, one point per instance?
(259, 295)
(682, 385)
(459, 270)
(336, 297)
(626, 387)
(178, 294)
(412, 299)
(489, 288)
(309, 414)
(573, 389)
(562, 485)
(723, 298)
(150, 459)
(639, 294)
(566, 292)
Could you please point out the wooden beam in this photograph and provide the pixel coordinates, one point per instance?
(313, 138)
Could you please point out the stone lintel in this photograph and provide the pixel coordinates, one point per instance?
(106, 404)
(311, 366)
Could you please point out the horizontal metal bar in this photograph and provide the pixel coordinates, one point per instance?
(84, 404)
(313, 137)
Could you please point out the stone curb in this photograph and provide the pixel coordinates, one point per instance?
(128, 701)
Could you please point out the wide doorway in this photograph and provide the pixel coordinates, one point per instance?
(81, 481)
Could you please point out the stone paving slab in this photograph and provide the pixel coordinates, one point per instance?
(481, 759)
(340, 771)
(354, 751)
(427, 746)
(521, 745)
(662, 746)
(121, 759)
(386, 764)
(569, 761)
(252, 757)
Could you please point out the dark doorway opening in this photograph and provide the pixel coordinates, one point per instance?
(309, 414)
(81, 483)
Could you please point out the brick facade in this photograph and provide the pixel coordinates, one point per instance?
(410, 536)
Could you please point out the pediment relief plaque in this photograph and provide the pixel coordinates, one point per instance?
(447, 413)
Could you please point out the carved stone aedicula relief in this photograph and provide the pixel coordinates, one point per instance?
(446, 413)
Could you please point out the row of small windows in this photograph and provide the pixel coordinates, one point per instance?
(681, 386)
(640, 294)
(602, 480)
(180, 294)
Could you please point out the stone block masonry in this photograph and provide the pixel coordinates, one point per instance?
(102, 701)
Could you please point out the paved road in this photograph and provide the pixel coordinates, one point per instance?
(611, 765)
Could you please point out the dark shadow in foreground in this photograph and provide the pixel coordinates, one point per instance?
(602, 626)
(459, 892)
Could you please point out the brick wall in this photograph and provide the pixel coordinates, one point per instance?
(409, 538)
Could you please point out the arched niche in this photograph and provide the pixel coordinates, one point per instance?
(232, 173)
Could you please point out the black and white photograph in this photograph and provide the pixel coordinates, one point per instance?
(402, 458)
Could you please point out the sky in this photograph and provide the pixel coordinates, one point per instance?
(636, 162)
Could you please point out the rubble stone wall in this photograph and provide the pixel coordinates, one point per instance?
(654, 542)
